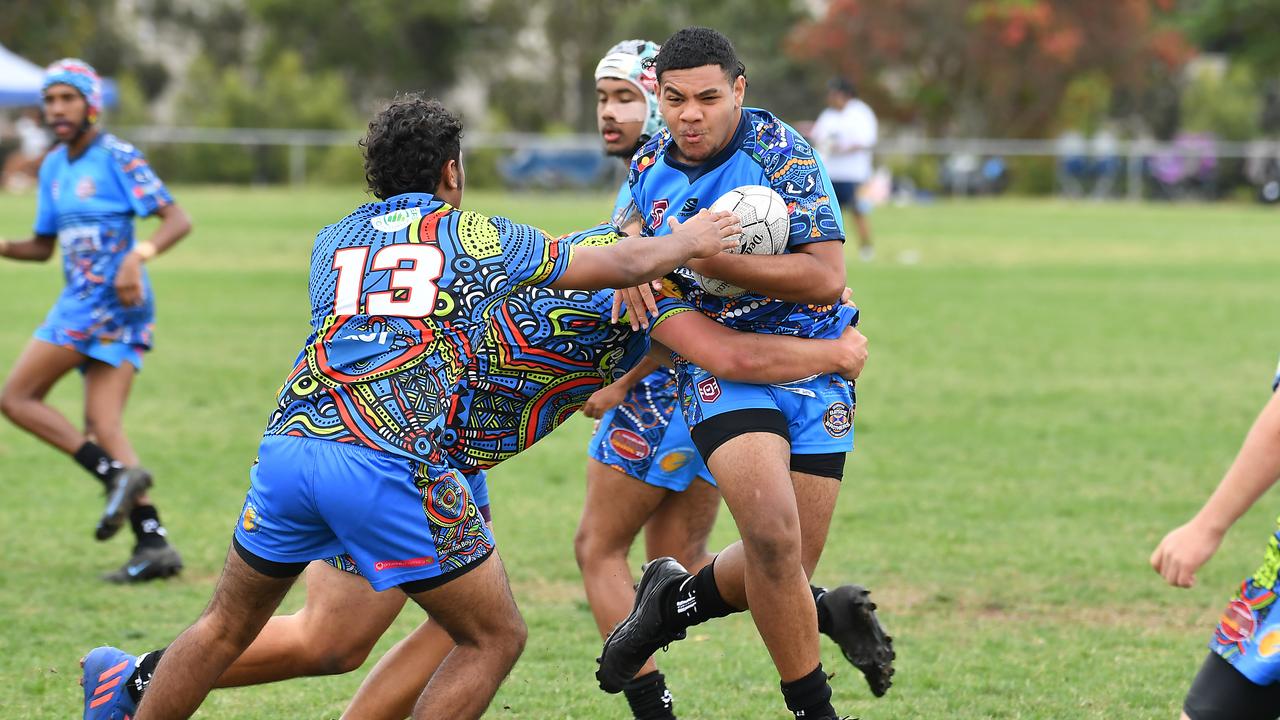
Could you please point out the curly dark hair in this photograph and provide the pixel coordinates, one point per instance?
(408, 144)
(697, 46)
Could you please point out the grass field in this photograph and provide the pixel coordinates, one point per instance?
(1051, 388)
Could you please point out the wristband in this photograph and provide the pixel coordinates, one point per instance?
(145, 250)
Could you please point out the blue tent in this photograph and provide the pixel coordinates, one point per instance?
(20, 81)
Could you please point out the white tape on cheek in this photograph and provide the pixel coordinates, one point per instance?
(629, 112)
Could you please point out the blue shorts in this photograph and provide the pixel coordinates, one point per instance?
(646, 439)
(399, 520)
(103, 350)
(818, 412)
(479, 484)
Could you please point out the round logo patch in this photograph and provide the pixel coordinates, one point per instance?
(674, 460)
(837, 420)
(628, 445)
(85, 188)
(1237, 622)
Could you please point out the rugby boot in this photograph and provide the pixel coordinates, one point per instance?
(104, 677)
(126, 486)
(644, 631)
(147, 563)
(855, 628)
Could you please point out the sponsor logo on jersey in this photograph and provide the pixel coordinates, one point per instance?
(708, 390)
(837, 419)
(674, 460)
(628, 445)
(655, 215)
(250, 521)
(85, 189)
(689, 209)
(396, 221)
(381, 565)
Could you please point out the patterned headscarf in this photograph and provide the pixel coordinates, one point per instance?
(81, 76)
(632, 60)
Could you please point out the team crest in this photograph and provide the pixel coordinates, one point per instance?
(837, 420)
(250, 520)
(85, 189)
(708, 390)
(628, 445)
(655, 215)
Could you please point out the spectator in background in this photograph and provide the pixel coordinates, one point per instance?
(21, 165)
(845, 134)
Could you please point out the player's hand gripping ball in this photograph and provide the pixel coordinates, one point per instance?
(765, 228)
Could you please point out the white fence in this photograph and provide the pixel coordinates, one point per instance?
(1132, 152)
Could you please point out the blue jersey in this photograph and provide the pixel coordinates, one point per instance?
(89, 203)
(401, 291)
(763, 151)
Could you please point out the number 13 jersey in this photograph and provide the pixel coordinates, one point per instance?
(400, 291)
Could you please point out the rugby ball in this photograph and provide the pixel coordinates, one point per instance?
(765, 227)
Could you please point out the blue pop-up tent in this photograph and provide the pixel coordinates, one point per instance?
(20, 81)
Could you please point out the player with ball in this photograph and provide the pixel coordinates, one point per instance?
(777, 451)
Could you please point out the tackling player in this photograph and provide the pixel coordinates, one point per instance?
(539, 359)
(1240, 678)
(351, 462)
(776, 451)
(91, 188)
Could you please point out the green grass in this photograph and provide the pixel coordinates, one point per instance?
(1051, 387)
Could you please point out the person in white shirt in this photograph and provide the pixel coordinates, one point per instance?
(845, 134)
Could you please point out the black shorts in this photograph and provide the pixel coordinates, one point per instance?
(1220, 692)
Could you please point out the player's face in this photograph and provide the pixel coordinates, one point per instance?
(65, 110)
(620, 113)
(700, 105)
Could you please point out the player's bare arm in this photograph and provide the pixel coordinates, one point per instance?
(634, 260)
(36, 249)
(812, 274)
(759, 358)
(174, 225)
(1255, 469)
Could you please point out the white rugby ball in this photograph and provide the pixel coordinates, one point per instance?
(765, 227)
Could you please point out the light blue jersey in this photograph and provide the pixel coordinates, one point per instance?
(89, 203)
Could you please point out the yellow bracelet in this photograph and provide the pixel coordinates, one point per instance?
(145, 250)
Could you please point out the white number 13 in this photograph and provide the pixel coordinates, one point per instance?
(416, 284)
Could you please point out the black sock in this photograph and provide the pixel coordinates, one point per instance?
(649, 698)
(97, 462)
(142, 672)
(696, 600)
(810, 696)
(824, 614)
(146, 526)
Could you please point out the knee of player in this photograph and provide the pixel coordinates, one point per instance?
(591, 545)
(773, 542)
(11, 402)
(337, 656)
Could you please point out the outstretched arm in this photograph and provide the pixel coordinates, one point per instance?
(38, 249)
(756, 357)
(634, 260)
(812, 273)
(1255, 469)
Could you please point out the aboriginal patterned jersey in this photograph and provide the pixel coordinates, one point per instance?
(1248, 632)
(763, 151)
(401, 292)
(89, 203)
(543, 353)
